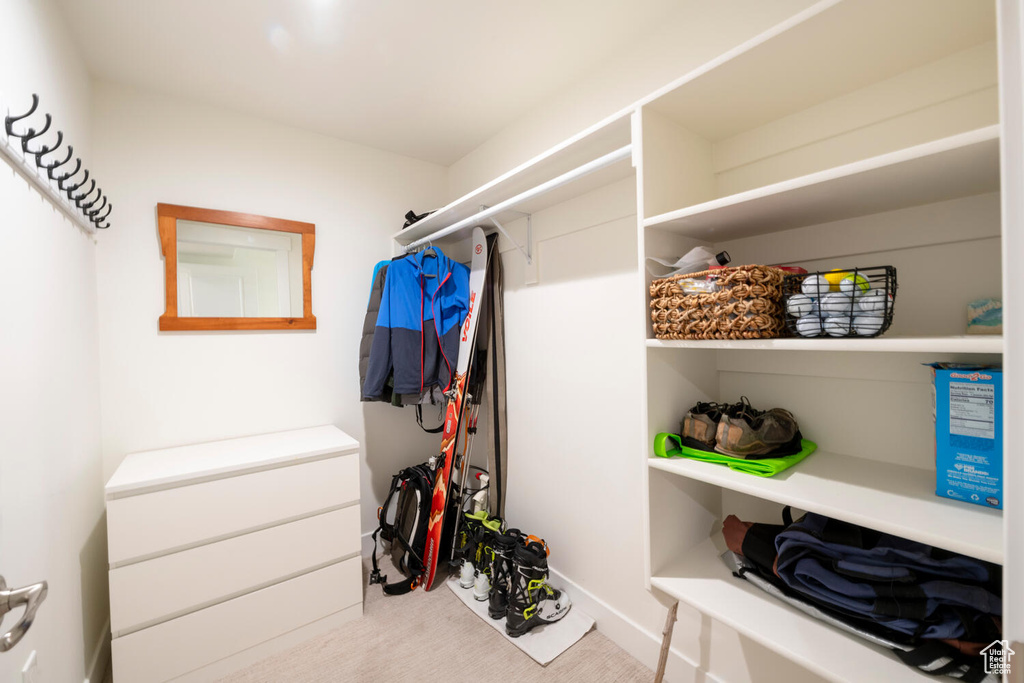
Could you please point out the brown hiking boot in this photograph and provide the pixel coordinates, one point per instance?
(700, 426)
(744, 432)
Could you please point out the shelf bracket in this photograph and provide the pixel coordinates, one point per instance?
(528, 251)
(531, 267)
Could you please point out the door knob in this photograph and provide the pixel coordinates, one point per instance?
(30, 597)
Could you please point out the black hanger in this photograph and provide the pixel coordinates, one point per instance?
(429, 253)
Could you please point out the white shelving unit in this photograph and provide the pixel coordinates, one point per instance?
(855, 134)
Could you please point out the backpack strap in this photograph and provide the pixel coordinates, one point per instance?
(938, 659)
(397, 588)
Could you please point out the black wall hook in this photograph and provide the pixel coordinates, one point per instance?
(32, 134)
(82, 197)
(46, 149)
(49, 168)
(91, 213)
(71, 188)
(98, 219)
(10, 120)
(85, 207)
(61, 179)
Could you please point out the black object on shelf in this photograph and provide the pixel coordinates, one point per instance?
(846, 302)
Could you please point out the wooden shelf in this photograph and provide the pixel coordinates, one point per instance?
(892, 498)
(703, 580)
(958, 166)
(992, 344)
(593, 143)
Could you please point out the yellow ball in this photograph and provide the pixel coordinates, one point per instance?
(834, 278)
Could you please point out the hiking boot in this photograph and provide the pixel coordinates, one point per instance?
(531, 601)
(501, 571)
(700, 426)
(745, 432)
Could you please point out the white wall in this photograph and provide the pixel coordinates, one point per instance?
(51, 503)
(167, 388)
(574, 349)
(697, 32)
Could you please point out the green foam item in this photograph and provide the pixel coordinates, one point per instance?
(767, 467)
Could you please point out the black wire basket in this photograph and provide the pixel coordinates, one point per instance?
(846, 302)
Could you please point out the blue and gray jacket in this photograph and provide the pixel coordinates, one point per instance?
(422, 308)
(906, 586)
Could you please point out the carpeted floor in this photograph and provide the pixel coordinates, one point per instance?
(426, 637)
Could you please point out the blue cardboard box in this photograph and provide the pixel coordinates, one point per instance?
(969, 433)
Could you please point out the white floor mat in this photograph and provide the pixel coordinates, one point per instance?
(543, 643)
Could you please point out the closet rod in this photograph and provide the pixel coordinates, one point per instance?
(565, 178)
(20, 161)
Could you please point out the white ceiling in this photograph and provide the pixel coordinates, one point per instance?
(431, 79)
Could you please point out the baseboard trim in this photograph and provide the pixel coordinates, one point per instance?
(638, 641)
(100, 661)
(367, 543)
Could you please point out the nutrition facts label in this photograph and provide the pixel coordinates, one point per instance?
(972, 410)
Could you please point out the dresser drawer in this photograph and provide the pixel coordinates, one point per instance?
(176, 647)
(149, 524)
(181, 582)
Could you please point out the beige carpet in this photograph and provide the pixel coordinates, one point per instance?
(427, 637)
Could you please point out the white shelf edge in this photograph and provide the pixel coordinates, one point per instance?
(953, 142)
(781, 628)
(437, 220)
(988, 344)
(482, 216)
(824, 479)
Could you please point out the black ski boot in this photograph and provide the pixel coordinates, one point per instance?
(489, 529)
(531, 601)
(504, 546)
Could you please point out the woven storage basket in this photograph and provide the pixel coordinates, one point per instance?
(747, 305)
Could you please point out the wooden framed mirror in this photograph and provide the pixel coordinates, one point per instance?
(235, 271)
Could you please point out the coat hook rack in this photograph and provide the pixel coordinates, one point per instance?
(89, 209)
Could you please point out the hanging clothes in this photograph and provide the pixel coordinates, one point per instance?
(423, 303)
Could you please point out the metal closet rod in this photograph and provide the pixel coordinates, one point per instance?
(567, 177)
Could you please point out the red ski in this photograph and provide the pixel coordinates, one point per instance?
(454, 413)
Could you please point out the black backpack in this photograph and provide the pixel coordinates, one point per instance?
(407, 534)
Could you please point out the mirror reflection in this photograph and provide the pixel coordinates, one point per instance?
(231, 272)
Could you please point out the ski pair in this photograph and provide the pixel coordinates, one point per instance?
(455, 412)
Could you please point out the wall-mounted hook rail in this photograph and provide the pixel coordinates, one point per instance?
(26, 158)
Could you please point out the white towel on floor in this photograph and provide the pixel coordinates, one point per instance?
(543, 643)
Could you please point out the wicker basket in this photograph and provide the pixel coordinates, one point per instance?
(747, 305)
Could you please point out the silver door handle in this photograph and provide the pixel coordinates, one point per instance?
(29, 596)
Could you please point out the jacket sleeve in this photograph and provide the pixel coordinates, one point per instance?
(370, 323)
(381, 359)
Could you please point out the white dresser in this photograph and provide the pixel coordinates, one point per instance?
(222, 553)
